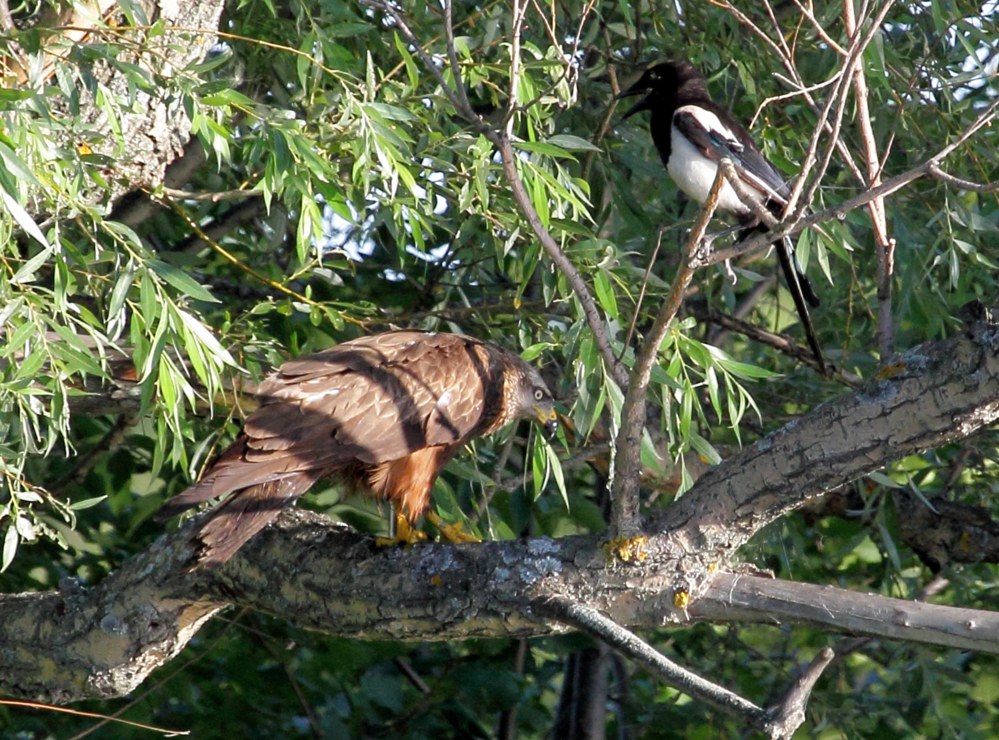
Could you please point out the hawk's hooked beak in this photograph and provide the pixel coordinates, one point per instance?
(548, 419)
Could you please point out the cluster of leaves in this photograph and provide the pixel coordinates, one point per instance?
(379, 205)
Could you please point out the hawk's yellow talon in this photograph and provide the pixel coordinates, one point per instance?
(404, 533)
(454, 533)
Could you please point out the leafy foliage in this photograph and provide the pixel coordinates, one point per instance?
(344, 193)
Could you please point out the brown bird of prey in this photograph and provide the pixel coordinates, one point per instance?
(383, 414)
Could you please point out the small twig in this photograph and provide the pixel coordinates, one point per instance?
(957, 469)
(837, 103)
(211, 197)
(860, 43)
(977, 187)
(789, 714)
(746, 195)
(6, 19)
(788, 60)
(511, 108)
(412, 676)
(594, 623)
(452, 56)
(807, 13)
(510, 484)
(779, 342)
(641, 293)
(800, 90)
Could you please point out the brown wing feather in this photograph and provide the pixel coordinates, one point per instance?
(238, 518)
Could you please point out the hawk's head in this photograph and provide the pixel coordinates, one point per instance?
(529, 398)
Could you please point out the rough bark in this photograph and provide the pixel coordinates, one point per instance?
(102, 641)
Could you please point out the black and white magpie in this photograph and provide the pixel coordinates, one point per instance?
(692, 133)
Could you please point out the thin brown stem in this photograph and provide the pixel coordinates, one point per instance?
(625, 517)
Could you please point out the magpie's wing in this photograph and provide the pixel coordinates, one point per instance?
(715, 137)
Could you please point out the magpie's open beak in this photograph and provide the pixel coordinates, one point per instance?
(643, 104)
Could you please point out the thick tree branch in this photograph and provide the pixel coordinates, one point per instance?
(106, 639)
(742, 598)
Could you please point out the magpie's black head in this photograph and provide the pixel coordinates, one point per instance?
(664, 84)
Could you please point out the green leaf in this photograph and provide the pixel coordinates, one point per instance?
(87, 503)
(26, 272)
(181, 281)
(572, 143)
(604, 290)
(10, 542)
(18, 167)
(24, 220)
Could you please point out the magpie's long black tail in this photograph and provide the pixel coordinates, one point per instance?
(801, 291)
(806, 285)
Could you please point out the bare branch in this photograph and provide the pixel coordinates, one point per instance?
(452, 56)
(789, 714)
(517, 23)
(594, 623)
(744, 598)
(883, 244)
(977, 187)
(784, 53)
(653, 257)
(836, 101)
(625, 520)
(806, 11)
